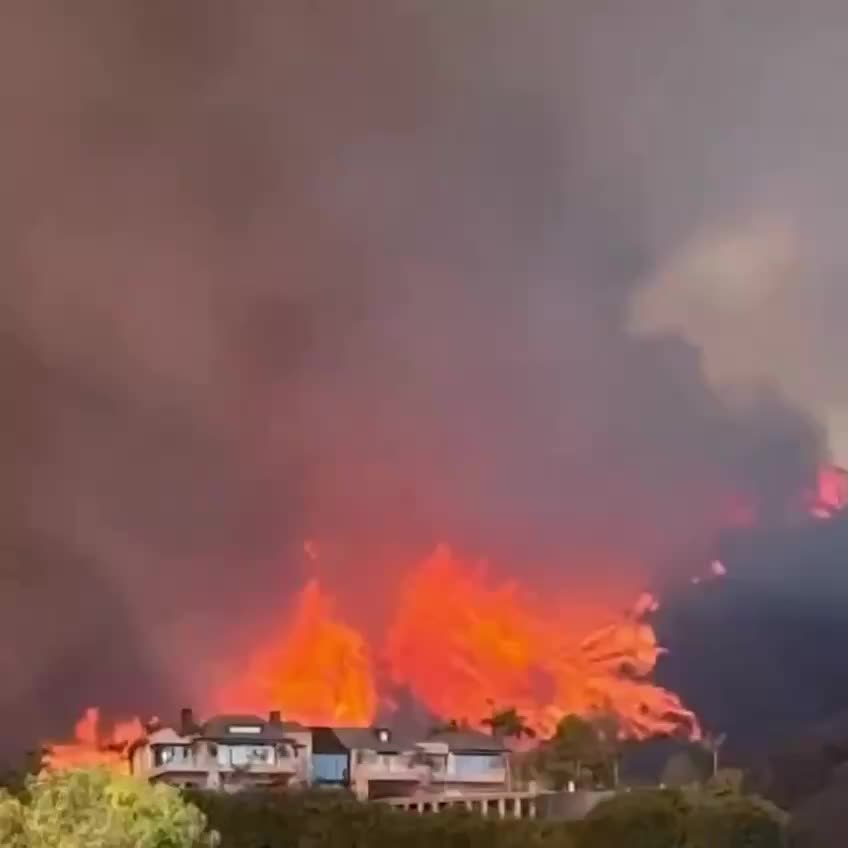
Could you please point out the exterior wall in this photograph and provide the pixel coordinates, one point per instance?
(211, 765)
(369, 770)
(472, 768)
(493, 804)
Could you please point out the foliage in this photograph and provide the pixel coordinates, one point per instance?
(734, 821)
(14, 779)
(673, 819)
(639, 819)
(333, 820)
(576, 752)
(681, 770)
(650, 819)
(98, 809)
(510, 724)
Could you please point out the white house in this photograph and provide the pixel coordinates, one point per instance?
(226, 752)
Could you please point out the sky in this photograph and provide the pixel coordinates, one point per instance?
(551, 282)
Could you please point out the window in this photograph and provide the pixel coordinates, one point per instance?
(174, 755)
(467, 765)
(242, 756)
(244, 729)
(330, 768)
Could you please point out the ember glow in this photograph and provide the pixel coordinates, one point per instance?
(831, 494)
(94, 745)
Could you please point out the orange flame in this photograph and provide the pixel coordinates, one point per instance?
(93, 745)
(460, 645)
(461, 642)
(318, 671)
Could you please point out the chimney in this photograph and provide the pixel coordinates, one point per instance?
(274, 717)
(187, 725)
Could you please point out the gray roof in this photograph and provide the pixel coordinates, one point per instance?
(219, 727)
(469, 740)
(367, 739)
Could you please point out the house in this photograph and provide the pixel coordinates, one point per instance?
(467, 760)
(232, 752)
(226, 752)
(373, 762)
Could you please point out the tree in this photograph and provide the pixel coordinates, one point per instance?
(608, 732)
(14, 779)
(735, 821)
(573, 749)
(681, 770)
(712, 743)
(509, 724)
(637, 819)
(98, 809)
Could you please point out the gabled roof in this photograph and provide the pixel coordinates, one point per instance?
(469, 741)
(331, 740)
(235, 727)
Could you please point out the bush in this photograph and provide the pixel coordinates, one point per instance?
(97, 809)
(735, 822)
(332, 820)
(639, 819)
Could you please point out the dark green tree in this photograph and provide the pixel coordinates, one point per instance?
(649, 819)
(573, 754)
(734, 821)
(509, 723)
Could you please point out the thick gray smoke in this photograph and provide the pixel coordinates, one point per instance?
(367, 272)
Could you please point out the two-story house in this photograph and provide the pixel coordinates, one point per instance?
(376, 763)
(226, 752)
(468, 761)
(373, 762)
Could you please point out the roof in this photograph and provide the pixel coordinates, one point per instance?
(224, 727)
(469, 740)
(331, 740)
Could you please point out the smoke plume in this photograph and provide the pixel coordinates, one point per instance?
(386, 274)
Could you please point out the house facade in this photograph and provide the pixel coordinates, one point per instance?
(375, 763)
(233, 752)
(227, 752)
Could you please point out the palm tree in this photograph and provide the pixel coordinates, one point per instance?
(508, 723)
(712, 743)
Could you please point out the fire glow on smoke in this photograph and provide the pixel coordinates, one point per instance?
(461, 642)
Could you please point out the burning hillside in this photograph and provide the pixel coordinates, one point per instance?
(460, 641)
(94, 744)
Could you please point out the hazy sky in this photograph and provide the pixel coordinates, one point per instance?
(389, 273)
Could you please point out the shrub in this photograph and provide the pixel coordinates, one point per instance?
(639, 819)
(331, 820)
(735, 822)
(97, 809)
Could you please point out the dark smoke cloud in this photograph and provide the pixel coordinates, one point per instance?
(362, 272)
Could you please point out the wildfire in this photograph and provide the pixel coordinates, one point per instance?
(831, 494)
(461, 644)
(461, 641)
(318, 670)
(93, 745)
